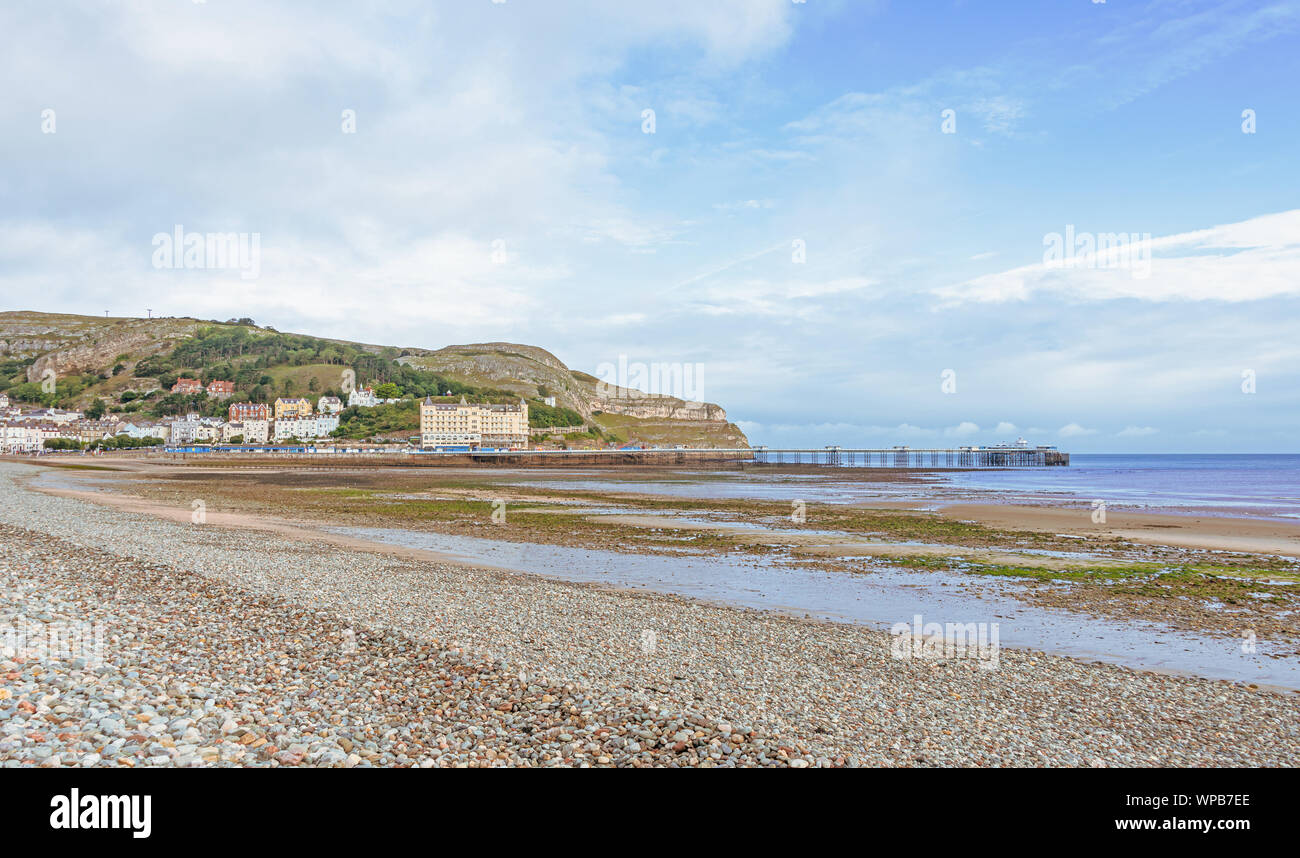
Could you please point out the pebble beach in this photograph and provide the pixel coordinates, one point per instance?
(222, 647)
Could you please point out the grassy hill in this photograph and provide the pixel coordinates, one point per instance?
(615, 412)
(128, 366)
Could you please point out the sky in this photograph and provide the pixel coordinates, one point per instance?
(858, 223)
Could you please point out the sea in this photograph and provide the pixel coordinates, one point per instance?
(1250, 484)
(1246, 484)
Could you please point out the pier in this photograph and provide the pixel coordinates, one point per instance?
(897, 458)
(963, 458)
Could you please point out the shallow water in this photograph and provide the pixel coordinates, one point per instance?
(79, 481)
(1246, 484)
(879, 599)
(734, 486)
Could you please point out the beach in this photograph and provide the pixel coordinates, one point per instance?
(1178, 590)
(1185, 530)
(231, 646)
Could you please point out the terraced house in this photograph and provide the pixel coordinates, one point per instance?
(256, 430)
(21, 438)
(305, 427)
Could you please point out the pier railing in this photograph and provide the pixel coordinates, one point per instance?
(968, 458)
(899, 457)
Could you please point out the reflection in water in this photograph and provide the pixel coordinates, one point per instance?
(879, 599)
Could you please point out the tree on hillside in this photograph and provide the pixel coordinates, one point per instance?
(388, 390)
(95, 409)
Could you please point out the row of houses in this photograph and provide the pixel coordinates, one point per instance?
(442, 424)
(362, 397)
(29, 436)
(261, 423)
(256, 429)
(26, 431)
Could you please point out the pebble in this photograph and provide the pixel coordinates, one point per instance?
(229, 649)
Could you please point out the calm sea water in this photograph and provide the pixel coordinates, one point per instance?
(1259, 484)
(1264, 485)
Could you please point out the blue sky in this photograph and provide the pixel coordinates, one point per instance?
(500, 186)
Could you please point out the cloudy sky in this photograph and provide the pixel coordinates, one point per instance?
(843, 213)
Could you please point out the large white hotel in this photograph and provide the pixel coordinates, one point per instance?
(462, 424)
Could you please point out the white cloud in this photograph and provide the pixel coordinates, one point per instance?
(1005, 428)
(1074, 430)
(962, 430)
(839, 432)
(1246, 261)
(792, 298)
(1136, 431)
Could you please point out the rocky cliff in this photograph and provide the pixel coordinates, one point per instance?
(533, 372)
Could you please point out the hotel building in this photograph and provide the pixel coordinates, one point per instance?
(450, 424)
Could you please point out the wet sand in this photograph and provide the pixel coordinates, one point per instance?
(1211, 532)
(238, 520)
(1215, 530)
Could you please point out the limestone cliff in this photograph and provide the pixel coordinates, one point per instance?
(533, 372)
